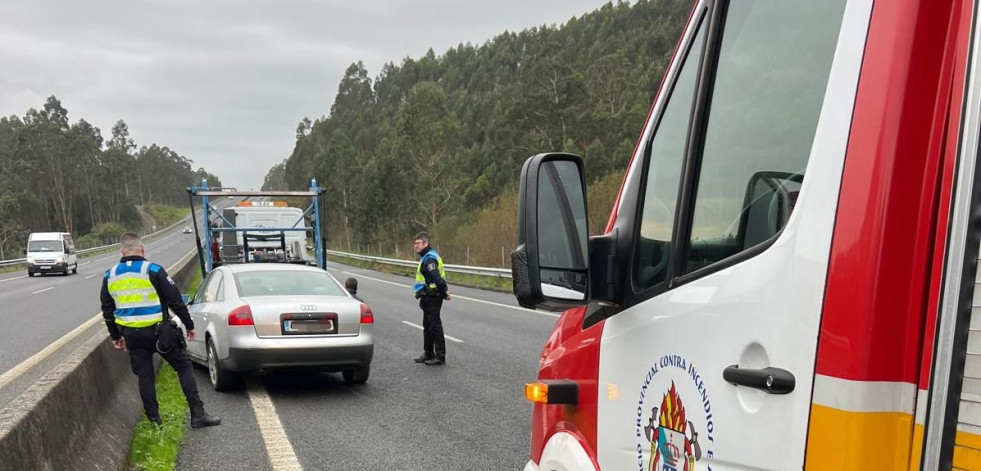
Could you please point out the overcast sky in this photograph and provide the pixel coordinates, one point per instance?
(224, 83)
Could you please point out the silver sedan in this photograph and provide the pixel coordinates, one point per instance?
(262, 316)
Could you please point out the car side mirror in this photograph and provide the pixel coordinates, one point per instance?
(550, 266)
(25, 251)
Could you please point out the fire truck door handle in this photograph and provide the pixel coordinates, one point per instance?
(771, 380)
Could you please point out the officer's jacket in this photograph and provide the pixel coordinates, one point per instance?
(430, 275)
(134, 307)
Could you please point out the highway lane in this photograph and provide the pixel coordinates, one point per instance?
(42, 310)
(469, 414)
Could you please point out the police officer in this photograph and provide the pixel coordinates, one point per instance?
(430, 289)
(134, 294)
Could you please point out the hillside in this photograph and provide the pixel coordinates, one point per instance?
(431, 143)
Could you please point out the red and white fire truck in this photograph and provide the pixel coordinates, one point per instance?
(786, 278)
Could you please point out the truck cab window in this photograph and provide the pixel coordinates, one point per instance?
(772, 72)
(667, 151)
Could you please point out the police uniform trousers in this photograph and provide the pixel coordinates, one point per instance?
(433, 341)
(142, 344)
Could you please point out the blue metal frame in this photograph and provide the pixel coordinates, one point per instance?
(204, 192)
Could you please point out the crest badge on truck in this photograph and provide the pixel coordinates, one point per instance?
(666, 432)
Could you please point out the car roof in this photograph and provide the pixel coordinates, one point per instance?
(260, 267)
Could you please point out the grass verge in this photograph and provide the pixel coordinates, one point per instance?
(493, 283)
(155, 448)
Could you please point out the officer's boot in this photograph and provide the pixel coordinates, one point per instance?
(200, 418)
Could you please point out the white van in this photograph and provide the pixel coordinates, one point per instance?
(49, 252)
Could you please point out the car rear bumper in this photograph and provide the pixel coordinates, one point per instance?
(328, 353)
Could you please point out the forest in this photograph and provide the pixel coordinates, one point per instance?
(436, 143)
(56, 175)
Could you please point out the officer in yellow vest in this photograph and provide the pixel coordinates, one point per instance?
(134, 294)
(430, 289)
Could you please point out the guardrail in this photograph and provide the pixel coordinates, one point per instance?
(483, 271)
(19, 261)
(83, 413)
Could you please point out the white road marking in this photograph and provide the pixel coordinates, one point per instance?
(29, 363)
(444, 335)
(90, 276)
(278, 446)
(43, 290)
(457, 296)
(14, 278)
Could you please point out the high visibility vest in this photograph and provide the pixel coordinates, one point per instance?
(420, 284)
(137, 302)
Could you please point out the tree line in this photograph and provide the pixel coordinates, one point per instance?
(437, 143)
(63, 177)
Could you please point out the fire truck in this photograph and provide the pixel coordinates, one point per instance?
(787, 277)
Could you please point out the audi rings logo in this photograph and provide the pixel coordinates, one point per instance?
(308, 307)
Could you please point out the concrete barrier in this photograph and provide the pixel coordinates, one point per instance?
(81, 415)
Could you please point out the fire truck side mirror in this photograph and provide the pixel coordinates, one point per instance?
(550, 266)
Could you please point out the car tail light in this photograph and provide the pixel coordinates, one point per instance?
(241, 315)
(366, 316)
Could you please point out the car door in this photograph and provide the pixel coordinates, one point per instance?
(728, 210)
(205, 307)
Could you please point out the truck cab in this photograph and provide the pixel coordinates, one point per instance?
(786, 278)
(254, 217)
(50, 252)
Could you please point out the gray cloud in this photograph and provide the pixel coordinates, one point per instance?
(225, 83)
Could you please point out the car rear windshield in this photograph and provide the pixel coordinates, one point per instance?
(286, 283)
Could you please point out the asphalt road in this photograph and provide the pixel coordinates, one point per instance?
(40, 311)
(467, 415)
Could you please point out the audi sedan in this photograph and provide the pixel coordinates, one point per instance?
(266, 316)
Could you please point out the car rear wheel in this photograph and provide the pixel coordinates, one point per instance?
(221, 379)
(75, 269)
(356, 375)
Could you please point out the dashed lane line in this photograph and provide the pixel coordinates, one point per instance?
(457, 296)
(49, 288)
(29, 363)
(278, 446)
(444, 335)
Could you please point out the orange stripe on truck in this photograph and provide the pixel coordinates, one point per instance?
(843, 440)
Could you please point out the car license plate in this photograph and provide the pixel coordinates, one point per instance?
(45, 267)
(306, 324)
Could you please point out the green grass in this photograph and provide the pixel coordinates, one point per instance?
(494, 283)
(155, 448)
(166, 215)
